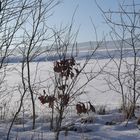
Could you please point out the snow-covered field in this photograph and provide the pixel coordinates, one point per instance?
(93, 130)
(84, 127)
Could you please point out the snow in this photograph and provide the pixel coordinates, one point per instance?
(83, 127)
(94, 130)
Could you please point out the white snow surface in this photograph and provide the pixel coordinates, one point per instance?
(94, 128)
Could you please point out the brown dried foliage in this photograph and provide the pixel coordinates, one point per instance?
(81, 108)
(47, 99)
(65, 67)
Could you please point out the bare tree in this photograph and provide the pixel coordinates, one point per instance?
(125, 26)
(34, 40)
(12, 15)
(33, 36)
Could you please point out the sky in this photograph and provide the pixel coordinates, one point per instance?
(86, 9)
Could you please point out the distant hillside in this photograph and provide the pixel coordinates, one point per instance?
(106, 50)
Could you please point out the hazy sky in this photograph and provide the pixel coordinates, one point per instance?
(86, 9)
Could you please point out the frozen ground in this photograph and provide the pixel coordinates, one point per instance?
(85, 127)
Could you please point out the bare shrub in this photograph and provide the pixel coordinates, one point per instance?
(101, 110)
(66, 86)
